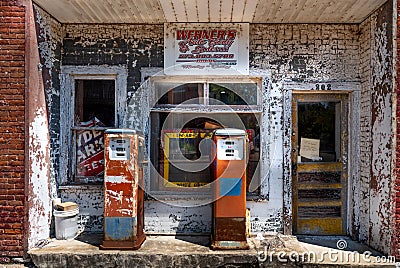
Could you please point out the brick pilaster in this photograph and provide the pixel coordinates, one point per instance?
(12, 105)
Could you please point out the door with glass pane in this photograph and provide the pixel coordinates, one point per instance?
(319, 162)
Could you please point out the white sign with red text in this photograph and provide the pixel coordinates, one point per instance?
(206, 48)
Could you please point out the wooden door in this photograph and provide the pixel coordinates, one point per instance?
(319, 162)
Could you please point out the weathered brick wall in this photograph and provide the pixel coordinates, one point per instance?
(361, 187)
(298, 53)
(315, 56)
(305, 52)
(301, 53)
(396, 195)
(134, 46)
(380, 235)
(49, 36)
(375, 206)
(12, 85)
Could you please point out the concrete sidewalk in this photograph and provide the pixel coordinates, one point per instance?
(267, 250)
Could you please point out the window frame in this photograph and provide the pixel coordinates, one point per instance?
(206, 81)
(86, 78)
(69, 75)
(196, 108)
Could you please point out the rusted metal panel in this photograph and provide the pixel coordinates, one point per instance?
(123, 193)
(121, 181)
(118, 205)
(230, 229)
(120, 228)
(229, 191)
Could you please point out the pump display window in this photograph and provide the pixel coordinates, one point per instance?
(182, 123)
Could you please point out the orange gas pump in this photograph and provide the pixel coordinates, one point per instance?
(123, 190)
(229, 211)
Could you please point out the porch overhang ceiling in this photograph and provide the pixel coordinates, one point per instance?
(252, 11)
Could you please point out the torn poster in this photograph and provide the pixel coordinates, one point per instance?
(90, 149)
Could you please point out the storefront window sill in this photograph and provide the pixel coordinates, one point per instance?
(161, 195)
(81, 187)
(174, 196)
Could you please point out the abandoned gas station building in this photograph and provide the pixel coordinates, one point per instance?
(312, 83)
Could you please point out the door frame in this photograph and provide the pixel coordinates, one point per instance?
(310, 96)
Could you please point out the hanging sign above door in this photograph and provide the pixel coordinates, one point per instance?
(206, 48)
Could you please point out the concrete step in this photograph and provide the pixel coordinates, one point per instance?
(268, 250)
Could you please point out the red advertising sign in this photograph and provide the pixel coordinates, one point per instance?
(206, 48)
(90, 150)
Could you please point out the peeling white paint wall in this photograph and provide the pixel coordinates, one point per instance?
(171, 218)
(90, 200)
(50, 35)
(297, 57)
(37, 188)
(39, 194)
(373, 215)
(321, 54)
(288, 57)
(361, 186)
(380, 199)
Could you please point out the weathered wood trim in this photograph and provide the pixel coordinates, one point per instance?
(287, 163)
(147, 91)
(351, 88)
(353, 168)
(68, 76)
